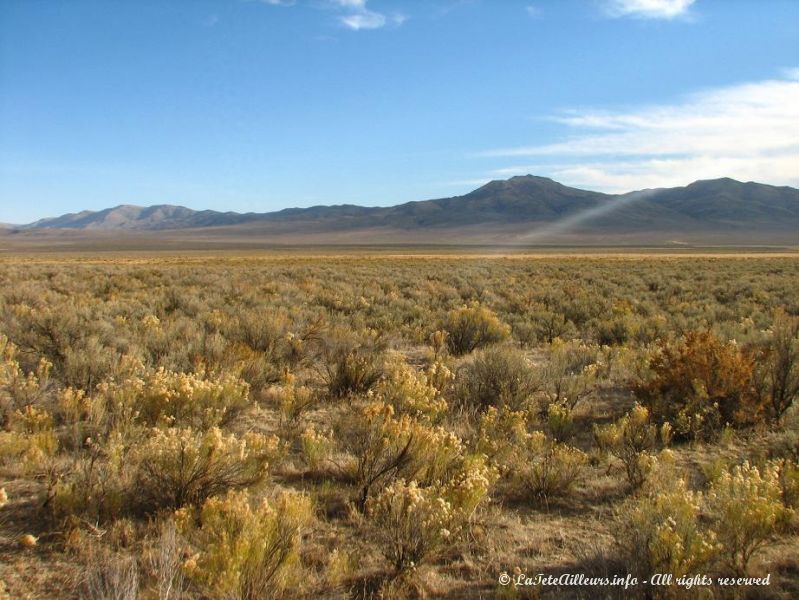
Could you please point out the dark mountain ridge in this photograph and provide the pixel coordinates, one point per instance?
(718, 205)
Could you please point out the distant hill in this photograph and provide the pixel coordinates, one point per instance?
(151, 218)
(523, 208)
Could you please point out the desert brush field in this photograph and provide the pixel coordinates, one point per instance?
(421, 426)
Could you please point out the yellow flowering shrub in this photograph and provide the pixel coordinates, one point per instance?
(440, 376)
(546, 468)
(386, 447)
(414, 523)
(411, 392)
(560, 421)
(17, 388)
(632, 439)
(178, 466)
(471, 327)
(29, 438)
(316, 446)
(163, 397)
(746, 505)
(243, 551)
(292, 402)
(500, 432)
(660, 531)
(438, 341)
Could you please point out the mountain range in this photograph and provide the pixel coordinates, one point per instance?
(523, 209)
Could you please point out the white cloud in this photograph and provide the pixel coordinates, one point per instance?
(353, 14)
(365, 19)
(357, 4)
(360, 17)
(747, 131)
(648, 9)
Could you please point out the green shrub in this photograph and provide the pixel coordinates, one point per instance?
(500, 376)
(776, 373)
(569, 375)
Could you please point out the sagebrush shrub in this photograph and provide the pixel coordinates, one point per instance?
(353, 366)
(113, 577)
(545, 468)
(471, 327)
(660, 531)
(569, 374)
(178, 466)
(499, 376)
(244, 552)
(789, 480)
(385, 447)
(633, 439)
(776, 372)
(162, 397)
(414, 523)
(413, 392)
(747, 509)
(97, 486)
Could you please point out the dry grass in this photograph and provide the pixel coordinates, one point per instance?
(90, 315)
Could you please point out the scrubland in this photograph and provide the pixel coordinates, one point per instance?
(397, 427)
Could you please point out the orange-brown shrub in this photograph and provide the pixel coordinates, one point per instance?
(700, 384)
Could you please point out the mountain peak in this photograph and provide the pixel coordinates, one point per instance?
(531, 201)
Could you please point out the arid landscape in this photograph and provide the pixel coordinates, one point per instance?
(399, 300)
(377, 425)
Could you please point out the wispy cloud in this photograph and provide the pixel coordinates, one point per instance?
(533, 11)
(353, 14)
(747, 131)
(647, 9)
(360, 17)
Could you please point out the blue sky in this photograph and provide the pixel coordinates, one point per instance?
(257, 105)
